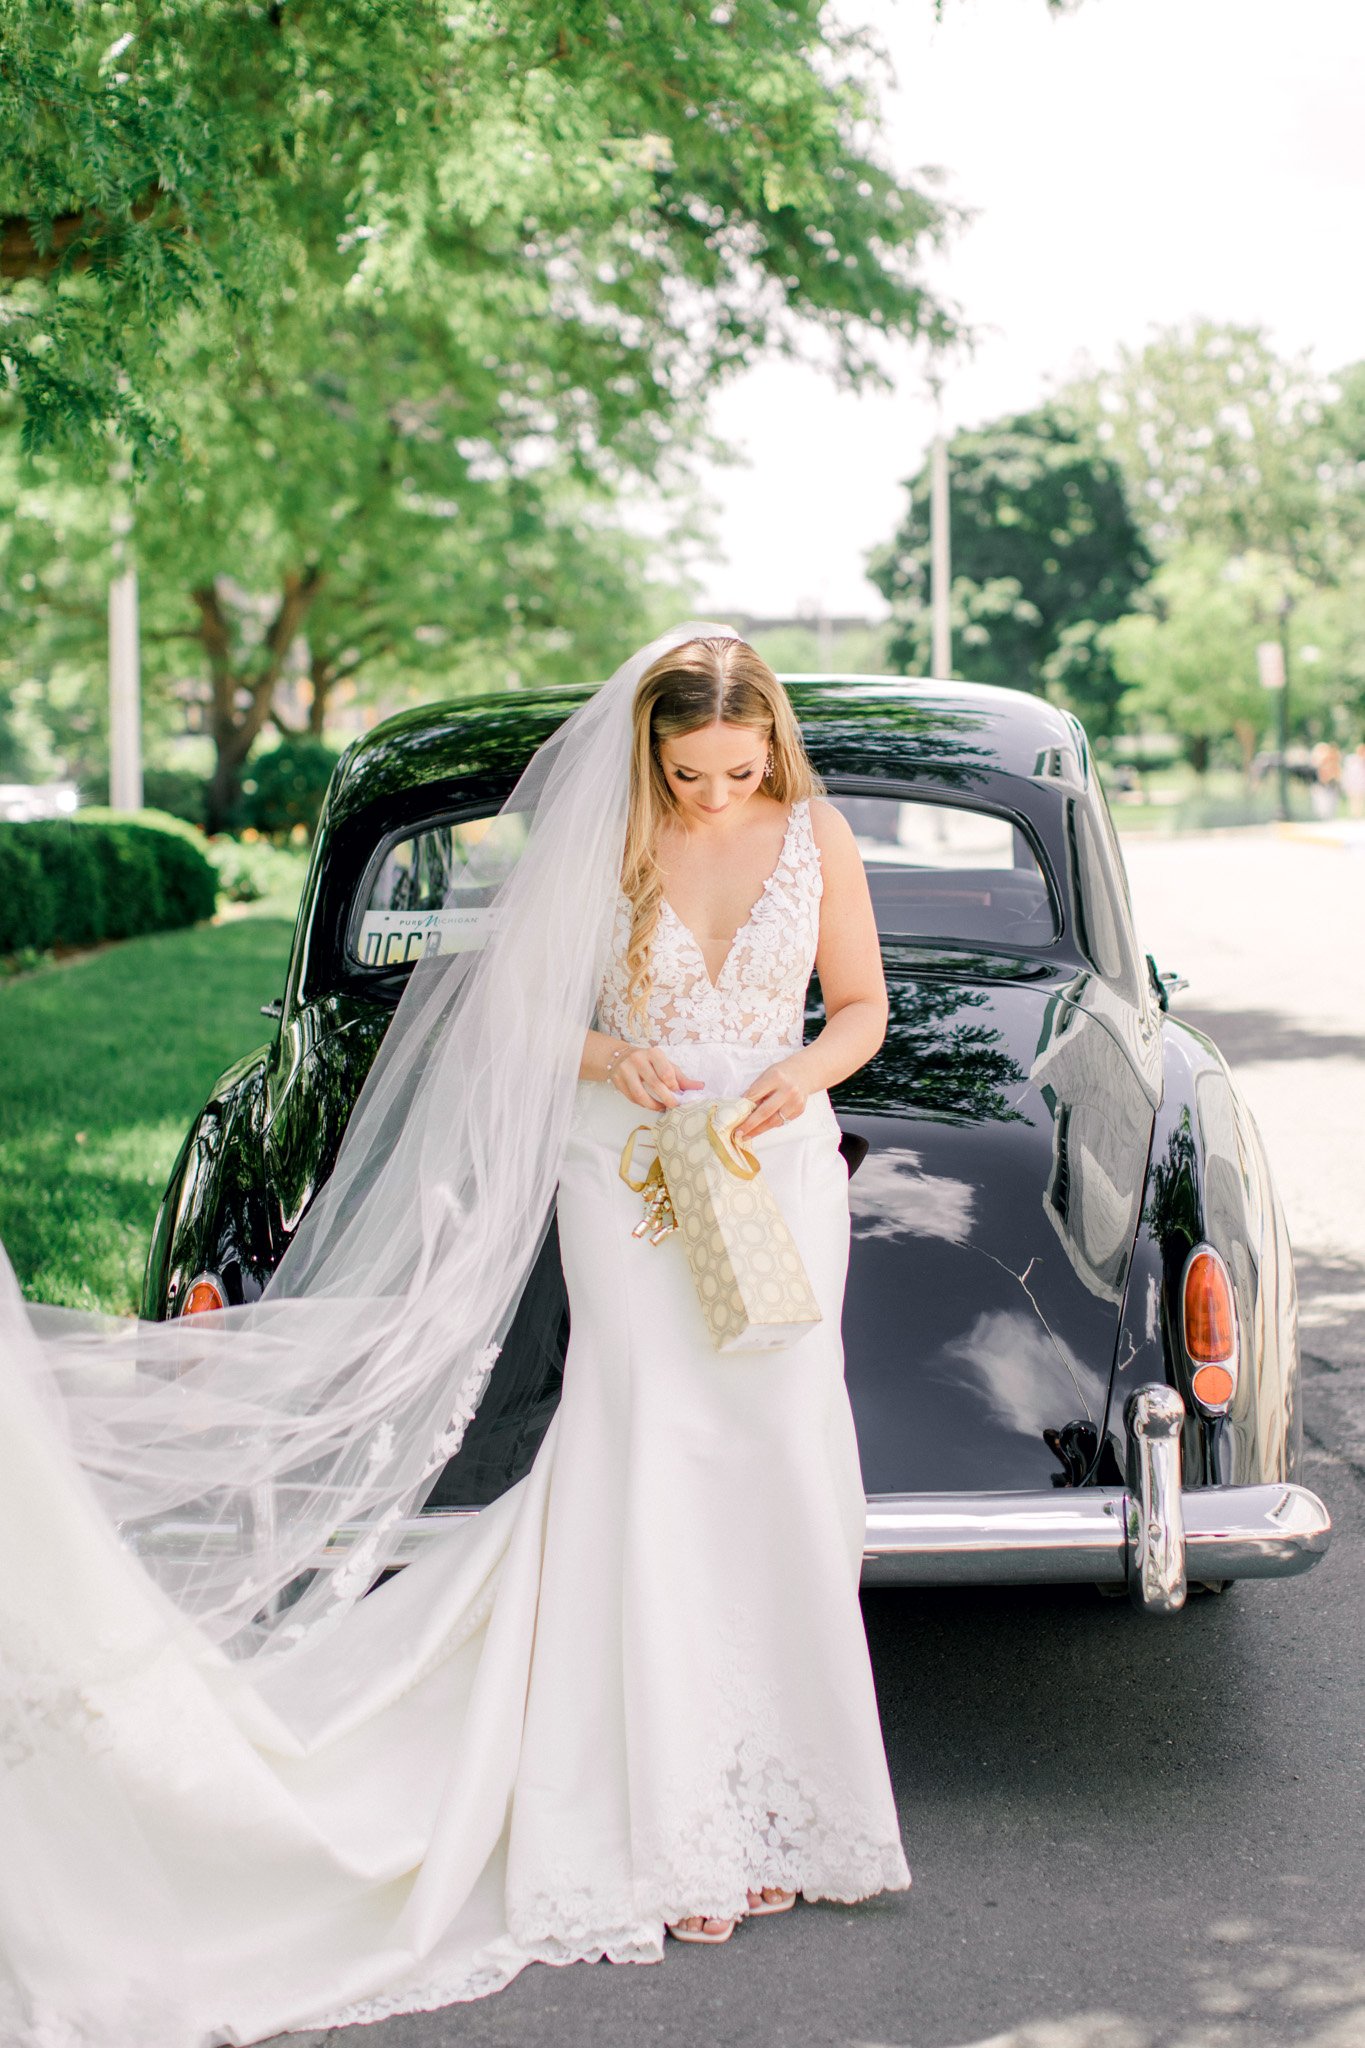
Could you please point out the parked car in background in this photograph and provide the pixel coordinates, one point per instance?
(1069, 1324)
(22, 801)
(1298, 763)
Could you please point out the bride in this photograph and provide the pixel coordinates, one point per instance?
(238, 1797)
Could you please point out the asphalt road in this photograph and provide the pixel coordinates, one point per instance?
(1125, 1833)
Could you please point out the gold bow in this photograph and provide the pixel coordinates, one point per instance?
(660, 1217)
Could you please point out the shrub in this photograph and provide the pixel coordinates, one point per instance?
(247, 870)
(175, 791)
(189, 883)
(77, 874)
(27, 897)
(285, 787)
(251, 871)
(74, 882)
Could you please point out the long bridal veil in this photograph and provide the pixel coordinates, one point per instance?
(254, 1432)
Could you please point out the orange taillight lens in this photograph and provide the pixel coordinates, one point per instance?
(1213, 1386)
(203, 1294)
(1210, 1327)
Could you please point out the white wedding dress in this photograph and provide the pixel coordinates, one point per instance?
(632, 1688)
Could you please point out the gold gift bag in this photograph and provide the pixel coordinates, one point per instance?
(750, 1280)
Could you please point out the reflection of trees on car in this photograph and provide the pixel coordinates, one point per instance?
(936, 1060)
(1173, 1202)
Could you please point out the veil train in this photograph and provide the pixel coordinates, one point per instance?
(337, 1397)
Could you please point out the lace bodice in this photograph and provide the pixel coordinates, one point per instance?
(760, 996)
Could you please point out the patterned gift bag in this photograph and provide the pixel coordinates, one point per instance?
(704, 1183)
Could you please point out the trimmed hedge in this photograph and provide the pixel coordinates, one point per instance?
(64, 882)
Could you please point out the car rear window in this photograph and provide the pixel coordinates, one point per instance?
(950, 872)
(935, 871)
(402, 910)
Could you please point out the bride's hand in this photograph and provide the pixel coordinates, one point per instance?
(648, 1076)
(777, 1098)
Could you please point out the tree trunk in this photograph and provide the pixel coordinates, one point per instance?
(322, 674)
(241, 700)
(20, 255)
(223, 796)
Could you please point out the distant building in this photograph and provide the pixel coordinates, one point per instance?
(838, 641)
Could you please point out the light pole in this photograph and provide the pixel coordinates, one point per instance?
(1286, 607)
(940, 553)
(125, 680)
(940, 563)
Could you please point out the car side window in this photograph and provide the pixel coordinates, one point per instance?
(427, 891)
(950, 871)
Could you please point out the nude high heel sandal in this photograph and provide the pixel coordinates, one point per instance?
(699, 1933)
(782, 1905)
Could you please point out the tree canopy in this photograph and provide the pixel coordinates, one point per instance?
(1189, 657)
(1045, 551)
(1226, 442)
(383, 304)
(1127, 546)
(1247, 470)
(664, 187)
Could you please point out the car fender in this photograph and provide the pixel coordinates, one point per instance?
(1209, 1182)
(213, 1217)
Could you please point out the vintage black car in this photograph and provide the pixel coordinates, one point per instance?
(1070, 1321)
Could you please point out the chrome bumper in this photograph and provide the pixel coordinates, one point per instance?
(1151, 1536)
(1036, 1539)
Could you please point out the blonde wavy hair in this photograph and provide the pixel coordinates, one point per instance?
(701, 683)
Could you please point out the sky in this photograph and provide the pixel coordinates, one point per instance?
(1131, 164)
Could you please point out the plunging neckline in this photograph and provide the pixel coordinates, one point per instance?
(752, 911)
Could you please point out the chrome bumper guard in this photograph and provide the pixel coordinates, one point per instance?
(1150, 1536)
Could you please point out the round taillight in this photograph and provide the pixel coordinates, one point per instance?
(203, 1293)
(1213, 1386)
(1209, 1318)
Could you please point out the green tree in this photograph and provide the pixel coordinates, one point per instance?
(1222, 440)
(1247, 470)
(1045, 552)
(1189, 658)
(1327, 660)
(668, 186)
(404, 594)
(447, 282)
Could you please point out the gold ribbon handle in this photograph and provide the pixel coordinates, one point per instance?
(741, 1158)
(638, 1185)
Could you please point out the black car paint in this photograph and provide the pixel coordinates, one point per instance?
(1036, 1145)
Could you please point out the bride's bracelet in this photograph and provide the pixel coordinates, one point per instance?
(619, 1054)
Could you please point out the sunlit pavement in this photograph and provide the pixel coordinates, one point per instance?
(1125, 1833)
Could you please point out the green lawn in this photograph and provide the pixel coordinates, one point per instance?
(103, 1062)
